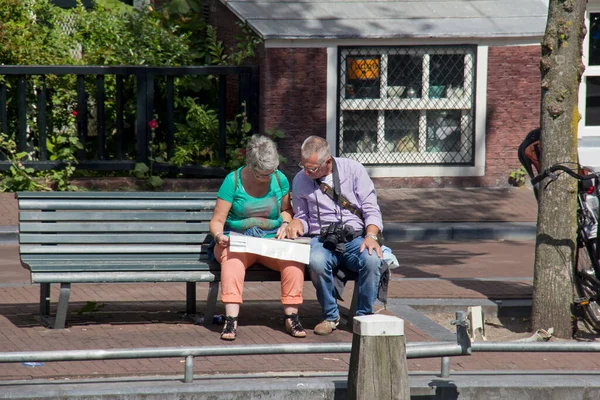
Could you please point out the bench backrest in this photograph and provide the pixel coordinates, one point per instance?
(128, 224)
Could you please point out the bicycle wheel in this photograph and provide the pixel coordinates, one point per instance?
(586, 284)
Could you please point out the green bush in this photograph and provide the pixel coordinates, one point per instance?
(35, 32)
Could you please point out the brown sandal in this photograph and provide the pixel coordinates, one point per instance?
(229, 329)
(293, 326)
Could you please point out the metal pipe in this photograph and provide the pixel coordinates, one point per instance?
(413, 350)
(189, 369)
(435, 350)
(445, 370)
(536, 347)
(163, 352)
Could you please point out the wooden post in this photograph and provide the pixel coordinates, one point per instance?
(378, 367)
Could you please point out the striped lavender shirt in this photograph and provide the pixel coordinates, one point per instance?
(355, 184)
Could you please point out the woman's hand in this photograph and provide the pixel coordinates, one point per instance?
(282, 231)
(222, 239)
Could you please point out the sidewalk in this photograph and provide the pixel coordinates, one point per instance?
(450, 275)
(415, 205)
(416, 214)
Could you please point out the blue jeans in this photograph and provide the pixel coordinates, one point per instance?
(323, 262)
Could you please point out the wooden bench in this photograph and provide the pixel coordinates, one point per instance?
(110, 237)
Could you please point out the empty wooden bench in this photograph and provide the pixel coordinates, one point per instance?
(112, 237)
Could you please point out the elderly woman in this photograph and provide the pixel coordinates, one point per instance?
(255, 200)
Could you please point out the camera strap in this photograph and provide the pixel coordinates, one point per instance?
(336, 195)
(335, 192)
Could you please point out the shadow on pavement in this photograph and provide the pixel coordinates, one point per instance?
(267, 313)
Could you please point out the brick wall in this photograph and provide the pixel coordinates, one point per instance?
(225, 21)
(513, 106)
(293, 97)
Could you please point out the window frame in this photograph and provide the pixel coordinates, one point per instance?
(590, 71)
(479, 88)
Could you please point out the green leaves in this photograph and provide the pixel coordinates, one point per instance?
(517, 177)
(141, 170)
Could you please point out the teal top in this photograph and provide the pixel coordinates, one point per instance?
(246, 211)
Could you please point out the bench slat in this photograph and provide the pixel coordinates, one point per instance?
(44, 238)
(57, 257)
(122, 226)
(125, 204)
(110, 249)
(253, 274)
(117, 266)
(93, 277)
(115, 216)
(116, 195)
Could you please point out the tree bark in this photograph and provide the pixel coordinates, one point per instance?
(561, 69)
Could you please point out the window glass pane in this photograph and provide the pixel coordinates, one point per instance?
(402, 131)
(363, 78)
(446, 74)
(406, 71)
(592, 101)
(594, 39)
(359, 131)
(443, 131)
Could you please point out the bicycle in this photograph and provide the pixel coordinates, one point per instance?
(587, 262)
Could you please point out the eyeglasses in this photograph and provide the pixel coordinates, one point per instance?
(312, 170)
(261, 176)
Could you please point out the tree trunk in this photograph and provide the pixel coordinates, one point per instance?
(561, 68)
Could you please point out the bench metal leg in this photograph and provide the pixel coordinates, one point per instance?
(44, 300)
(211, 302)
(63, 305)
(190, 296)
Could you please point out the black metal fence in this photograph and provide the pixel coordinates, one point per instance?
(31, 112)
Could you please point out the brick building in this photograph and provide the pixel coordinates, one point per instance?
(424, 94)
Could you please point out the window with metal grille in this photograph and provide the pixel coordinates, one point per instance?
(407, 105)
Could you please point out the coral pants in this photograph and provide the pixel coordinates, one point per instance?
(233, 272)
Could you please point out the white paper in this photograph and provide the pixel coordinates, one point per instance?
(284, 249)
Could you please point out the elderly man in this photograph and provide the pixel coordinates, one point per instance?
(335, 203)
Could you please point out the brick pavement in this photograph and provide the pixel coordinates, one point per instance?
(415, 205)
(458, 205)
(149, 315)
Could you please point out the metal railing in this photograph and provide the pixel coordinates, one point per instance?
(462, 347)
(413, 350)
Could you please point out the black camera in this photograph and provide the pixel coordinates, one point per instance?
(335, 235)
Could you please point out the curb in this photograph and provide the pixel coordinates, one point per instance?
(399, 231)
(492, 307)
(412, 311)
(516, 385)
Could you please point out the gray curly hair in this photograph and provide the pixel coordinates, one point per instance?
(261, 154)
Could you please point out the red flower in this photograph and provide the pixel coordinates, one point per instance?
(153, 124)
(74, 113)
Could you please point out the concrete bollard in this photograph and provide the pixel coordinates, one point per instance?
(378, 367)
